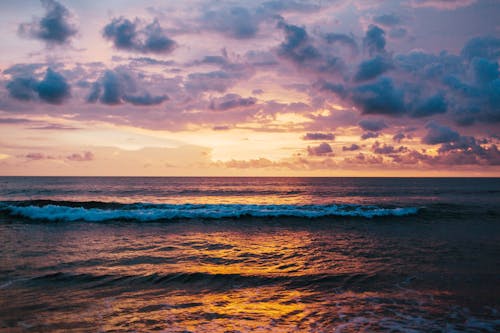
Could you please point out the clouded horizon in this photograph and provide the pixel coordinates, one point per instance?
(317, 88)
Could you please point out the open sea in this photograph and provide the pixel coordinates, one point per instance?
(90, 254)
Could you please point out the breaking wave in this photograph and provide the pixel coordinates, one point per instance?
(100, 211)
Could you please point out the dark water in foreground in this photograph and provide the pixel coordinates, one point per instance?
(249, 255)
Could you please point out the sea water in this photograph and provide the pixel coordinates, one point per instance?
(249, 254)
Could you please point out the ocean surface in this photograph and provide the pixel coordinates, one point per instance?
(85, 254)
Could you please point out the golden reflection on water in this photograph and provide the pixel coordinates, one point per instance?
(207, 278)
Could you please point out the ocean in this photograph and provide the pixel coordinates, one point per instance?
(207, 254)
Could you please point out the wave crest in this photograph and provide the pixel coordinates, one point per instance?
(71, 211)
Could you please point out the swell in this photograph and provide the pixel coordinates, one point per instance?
(99, 211)
(212, 281)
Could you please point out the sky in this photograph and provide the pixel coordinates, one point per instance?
(250, 88)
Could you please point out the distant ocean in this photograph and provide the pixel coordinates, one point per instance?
(214, 254)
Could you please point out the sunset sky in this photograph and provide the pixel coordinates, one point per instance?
(291, 88)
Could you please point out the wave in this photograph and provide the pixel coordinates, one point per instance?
(99, 211)
(214, 280)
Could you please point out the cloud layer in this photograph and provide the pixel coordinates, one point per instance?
(353, 83)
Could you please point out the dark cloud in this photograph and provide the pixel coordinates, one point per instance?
(336, 88)
(243, 22)
(352, 147)
(439, 134)
(482, 47)
(22, 88)
(398, 137)
(119, 86)
(321, 150)
(236, 22)
(145, 99)
(113, 88)
(53, 88)
(371, 68)
(297, 45)
(23, 70)
(374, 40)
(433, 105)
(380, 97)
(388, 20)
(133, 36)
(319, 136)
(485, 70)
(384, 149)
(214, 60)
(54, 28)
(373, 125)
(231, 101)
(344, 40)
(369, 135)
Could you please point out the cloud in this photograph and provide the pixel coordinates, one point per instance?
(221, 128)
(113, 88)
(22, 88)
(442, 4)
(320, 150)
(379, 97)
(297, 45)
(35, 156)
(53, 88)
(385, 149)
(218, 81)
(344, 40)
(119, 86)
(53, 28)
(145, 99)
(374, 40)
(439, 134)
(398, 137)
(231, 101)
(352, 147)
(81, 157)
(235, 22)
(15, 121)
(434, 105)
(387, 20)
(484, 70)
(371, 68)
(482, 47)
(244, 22)
(369, 135)
(373, 125)
(57, 127)
(137, 37)
(398, 32)
(319, 136)
(95, 92)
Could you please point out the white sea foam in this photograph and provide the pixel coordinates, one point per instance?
(143, 212)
